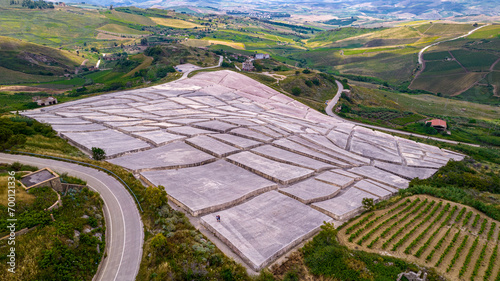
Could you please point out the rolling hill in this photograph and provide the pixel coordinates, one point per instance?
(21, 61)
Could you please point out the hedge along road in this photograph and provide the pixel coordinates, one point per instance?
(124, 229)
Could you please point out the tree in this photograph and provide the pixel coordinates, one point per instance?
(306, 71)
(154, 198)
(368, 203)
(258, 66)
(98, 153)
(296, 91)
(144, 41)
(159, 243)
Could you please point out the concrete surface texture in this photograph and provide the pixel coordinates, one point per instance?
(219, 139)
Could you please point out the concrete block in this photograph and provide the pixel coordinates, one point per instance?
(291, 158)
(78, 128)
(346, 173)
(250, 134)
(406, 171)
(188, 131)
(209, 188)
(56, 120)
(338, 138)
(212, 146)
(157, 137)
(214, 125)
(239, 142)
(266, 131)
(339, 180)
(300, 149)
(185, 121)
(373, 189)
(322, 144)
(344, 206)
(366, 149)
(131, 129)
(413, 162)
(310, 191)
(171, 156)
(166, 105)
(112, 142)
(276, 171)
(380, 176)
(265, 227)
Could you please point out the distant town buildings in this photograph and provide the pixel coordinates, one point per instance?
(258, 14)
(45, 101)
(262, 56)
(248, 66)
(437, 124)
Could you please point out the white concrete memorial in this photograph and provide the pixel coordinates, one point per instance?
(223, 144)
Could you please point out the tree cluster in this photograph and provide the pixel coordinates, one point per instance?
(39, 4)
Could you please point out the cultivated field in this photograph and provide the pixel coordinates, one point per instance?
(460, 242)
(208, 42)
(448, 85)
(129, 18)
(120, 29)
(175, 23)
(425, 104)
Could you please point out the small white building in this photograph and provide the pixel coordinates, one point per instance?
(45, 101)
(262, 56)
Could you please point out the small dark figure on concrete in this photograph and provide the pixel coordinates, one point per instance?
(218, 218)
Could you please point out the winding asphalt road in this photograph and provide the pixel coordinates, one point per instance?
(124, 235)
(336, 98)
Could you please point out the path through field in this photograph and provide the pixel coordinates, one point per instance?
(421, 60)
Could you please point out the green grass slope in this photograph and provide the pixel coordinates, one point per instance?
(21, 61)
(58, 27)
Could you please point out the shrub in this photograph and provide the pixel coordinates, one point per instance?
(159, 243)
(296, 91)
(98, 153)
(368, 204)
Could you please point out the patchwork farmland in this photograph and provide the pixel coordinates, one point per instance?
(459, 241)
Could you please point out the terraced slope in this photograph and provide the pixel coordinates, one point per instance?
(459, 241)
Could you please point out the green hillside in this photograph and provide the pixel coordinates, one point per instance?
(33, 61)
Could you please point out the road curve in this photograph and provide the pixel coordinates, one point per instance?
(336, 98)
(124, 235)
(421, 53)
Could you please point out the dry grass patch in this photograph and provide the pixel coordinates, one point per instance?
(175, 23)
(120, 29)
(21, 195)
